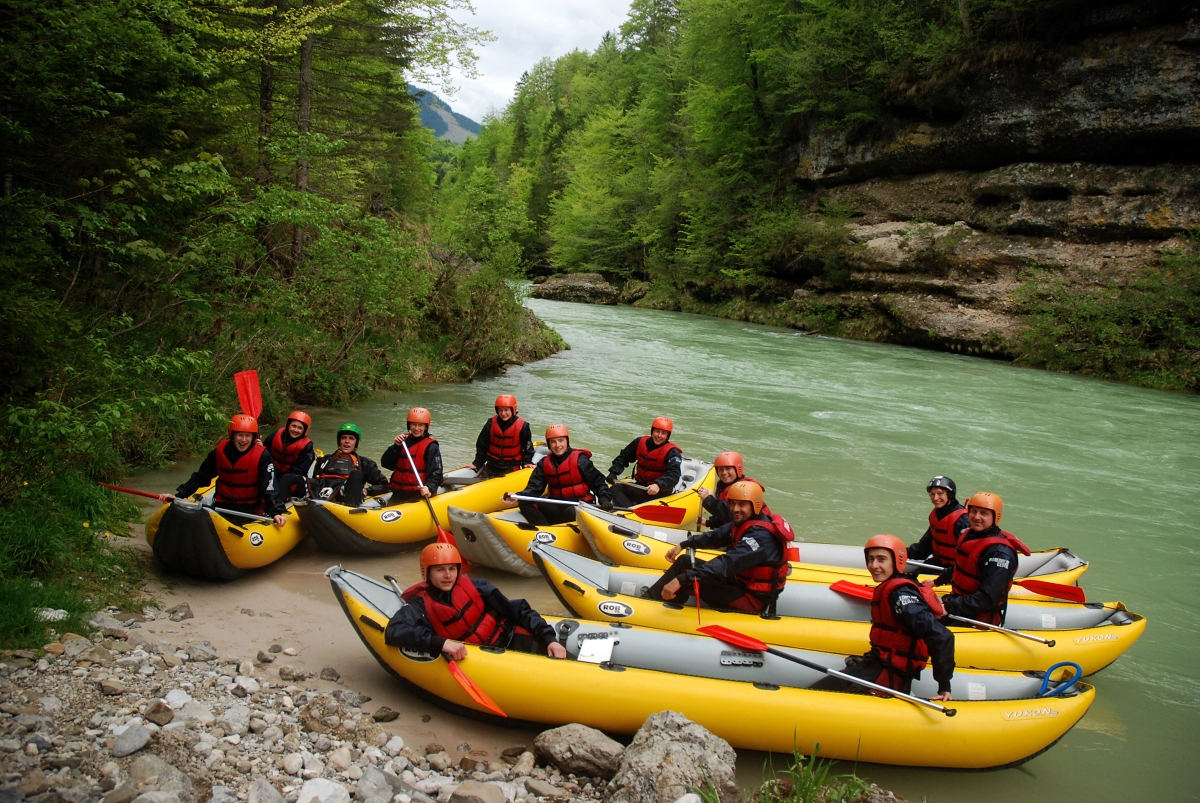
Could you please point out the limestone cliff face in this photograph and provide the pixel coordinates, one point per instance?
(1079, 163)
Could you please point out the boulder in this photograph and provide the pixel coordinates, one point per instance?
(385, 714)
(340, 759)
(261, 791)
(523, 765)
(670, 756)
(222, 794)
(157, 797)
(236, 719)
(321, 790)
(476, 792)
(439, 761)
(292, 674)
(634, 290)
(393, 746)
(133, 739)
(203, 651)
(102, 620)
(329, 673)
(583, 288)
(151, 774)
(373, 787)
(580, 750)
(159, 713)
(542, 788)
(293, 763)
(197, 711)
(180, 612)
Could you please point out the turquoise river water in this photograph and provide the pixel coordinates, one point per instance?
(845, 435)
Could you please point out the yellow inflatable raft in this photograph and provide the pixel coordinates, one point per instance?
(628, 542)
(190, 538)
(617, 676)
(501, 540)
(374, 529)
(813, 616)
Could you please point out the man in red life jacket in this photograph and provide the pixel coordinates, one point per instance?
(659, 465)
(505, 443)
(985, 564)
(448, 610)
(947, 523)
(345, 476)
(565, 473)
(293, 454)
(244, 472)
(426, 455)
(729, 470)
(753, 569)
(905, 631)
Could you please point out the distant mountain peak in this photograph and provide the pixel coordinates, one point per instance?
(443, 121)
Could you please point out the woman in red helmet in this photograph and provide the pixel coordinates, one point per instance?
(753, 569)
(244, 472)
(448, 610)
(426, 456)
(505, 443)
(293, 455)
(985, 564)
(659, 465)
(565, 473)
(905, 631)
(729, 470)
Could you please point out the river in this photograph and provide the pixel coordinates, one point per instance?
(845, 435)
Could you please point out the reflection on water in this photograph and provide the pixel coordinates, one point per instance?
(845, 435)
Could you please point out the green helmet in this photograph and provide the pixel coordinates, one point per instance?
(351, 429)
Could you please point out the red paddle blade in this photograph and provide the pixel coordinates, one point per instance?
(1056, 590)
(853, 589)
(663, 514)
(696, 591)
(733, 637)
(477, 694)
(249, 394)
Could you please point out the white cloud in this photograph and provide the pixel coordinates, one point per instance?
(527, 31)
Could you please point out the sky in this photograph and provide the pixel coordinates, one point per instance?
(527, 31)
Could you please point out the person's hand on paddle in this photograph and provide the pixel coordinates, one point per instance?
(423, 491)
(652, 489)
(509, 498)
(454, 650)
(403, 436)
(671, 589)
(556, 650)
(279, 520)
(703, 493)
(166, 499)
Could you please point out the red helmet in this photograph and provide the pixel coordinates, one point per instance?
(558, 431)
(419, 415)
(506, 400)
(892, 544)
(243, 423)
(302, 417)
(663, 423)
(437, 555)
(987, 501)
(747, 491)
(734, 459)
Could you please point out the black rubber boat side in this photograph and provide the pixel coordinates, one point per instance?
(187, 543)
(332, 534)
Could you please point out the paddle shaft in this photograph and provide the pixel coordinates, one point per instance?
(999, 629)
(442, 535)
(695, 583)
(130, 491)
(220, 510)
(551, 500)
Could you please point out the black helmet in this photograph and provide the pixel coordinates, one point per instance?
(943, 482)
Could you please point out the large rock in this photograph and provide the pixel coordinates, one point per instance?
(236, 719)
(584, 288)
(321, 790)
(670, 756)
(133, 739)
(151, 774)
(579, 749)
(477, 792)
(261, 791)
(373, 787)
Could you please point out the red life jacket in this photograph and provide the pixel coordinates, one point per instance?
(237, 481)
(966, 569)
(465, 619)
(565, 481)
(898, 648)
(945, 541)
(402, 478)
(505, 446)
(652, 462)
(768, 578)
(285, 455)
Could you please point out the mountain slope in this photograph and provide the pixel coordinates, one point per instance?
(443, 121)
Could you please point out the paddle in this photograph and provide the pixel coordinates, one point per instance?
(130, 491)
(862, 592)
(221, 510)
(477, 694)
(1043, 587)
(443, 537)
(249, 394)
(639, 511)
(695, 583)
(750, 643)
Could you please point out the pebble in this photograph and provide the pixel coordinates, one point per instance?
(290, 651)
(329, 673)
(112, 686)
(133, 739)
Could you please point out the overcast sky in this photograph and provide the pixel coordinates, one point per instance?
(527, 31)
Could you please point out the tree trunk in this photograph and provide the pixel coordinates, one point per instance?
(304, 123)
(964, 14)
(266, 107)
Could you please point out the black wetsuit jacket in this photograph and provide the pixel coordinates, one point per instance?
(757, 547)
(485, 440)
(628, 456)
(997, 568)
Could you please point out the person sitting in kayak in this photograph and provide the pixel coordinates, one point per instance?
(505, 443)
(729, 470)
(244, 472)
(343, 476)
(565, 473)
(947, 522)
(448, 610)
(985, 564)
(905, 630)
(659, 465)
(754, 568)
(293, 454)
(426, 456)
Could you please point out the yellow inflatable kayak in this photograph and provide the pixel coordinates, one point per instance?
(501, 540)
(628, 542)
(617, 676)
(190, 538)
(374, 529)
(813, 616)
